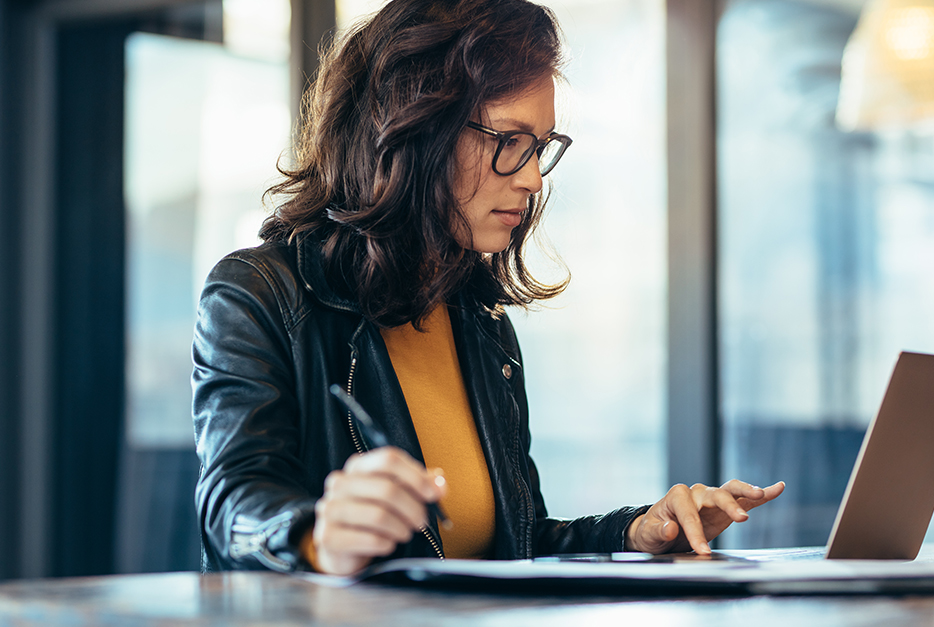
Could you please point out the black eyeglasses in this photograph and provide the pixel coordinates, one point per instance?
(515, 148)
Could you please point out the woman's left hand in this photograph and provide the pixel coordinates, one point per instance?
(688, 518)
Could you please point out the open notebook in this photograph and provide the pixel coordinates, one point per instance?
(879, 529)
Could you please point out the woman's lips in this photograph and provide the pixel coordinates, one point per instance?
(510, 217)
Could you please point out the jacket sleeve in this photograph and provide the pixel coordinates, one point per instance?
(252, 504)
(601, 533)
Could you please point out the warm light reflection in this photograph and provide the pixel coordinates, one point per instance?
(910, 32)
(888, 67)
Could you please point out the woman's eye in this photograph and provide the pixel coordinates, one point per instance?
(512, 142)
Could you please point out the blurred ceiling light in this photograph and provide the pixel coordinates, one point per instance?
(888, 67)
(258, 28)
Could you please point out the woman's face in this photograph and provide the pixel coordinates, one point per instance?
(492, 204)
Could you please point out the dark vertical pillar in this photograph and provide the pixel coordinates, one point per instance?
(89, 309)
(9, 433)
(693, 385)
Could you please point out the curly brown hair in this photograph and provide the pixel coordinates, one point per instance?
(374, 181)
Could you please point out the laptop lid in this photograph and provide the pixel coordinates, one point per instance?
(889, 499)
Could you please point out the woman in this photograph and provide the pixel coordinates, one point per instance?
(386, 270)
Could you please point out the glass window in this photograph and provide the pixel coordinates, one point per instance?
(348, 11)
(205, 126)
(826, 250)
(596, 356)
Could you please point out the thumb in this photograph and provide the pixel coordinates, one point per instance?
(669, 531)
(659, 536)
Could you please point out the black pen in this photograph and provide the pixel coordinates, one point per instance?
(377, 438)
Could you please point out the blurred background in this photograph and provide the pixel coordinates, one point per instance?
(747, 213)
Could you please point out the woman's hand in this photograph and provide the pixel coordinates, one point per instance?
(376, 502)
(688, 518)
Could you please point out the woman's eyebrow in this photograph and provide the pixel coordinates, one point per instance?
(517, 125)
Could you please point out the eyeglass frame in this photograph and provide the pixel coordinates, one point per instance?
(538, 146)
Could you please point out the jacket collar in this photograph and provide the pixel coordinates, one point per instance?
(311, 270)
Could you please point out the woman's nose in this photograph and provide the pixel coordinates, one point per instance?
(529, 176)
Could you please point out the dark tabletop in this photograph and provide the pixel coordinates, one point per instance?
(272, 599)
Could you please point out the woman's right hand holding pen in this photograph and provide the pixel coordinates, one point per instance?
(377, 501)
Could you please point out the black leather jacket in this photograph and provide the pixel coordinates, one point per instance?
(271, 337)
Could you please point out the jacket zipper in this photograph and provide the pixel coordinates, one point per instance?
(250, 538)
(358, 444)
(353, 429)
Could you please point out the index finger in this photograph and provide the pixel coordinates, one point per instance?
(684, 508)
(753, 496)
(400, 467)
(742, 489)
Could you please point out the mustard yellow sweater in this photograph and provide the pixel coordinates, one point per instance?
(428, 370)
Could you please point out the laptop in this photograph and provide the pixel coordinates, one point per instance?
(889, 499)
(875, 540)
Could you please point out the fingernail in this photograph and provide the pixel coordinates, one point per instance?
(742, 512)
(440, 481)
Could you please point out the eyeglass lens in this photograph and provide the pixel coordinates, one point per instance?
(549, 155)
(517, 149)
